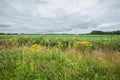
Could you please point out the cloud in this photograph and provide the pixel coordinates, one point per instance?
(42, 1)
(4, 25)
(110, 3)
(58, 16)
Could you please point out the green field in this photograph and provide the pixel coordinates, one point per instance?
(59, 57)
(67, 37)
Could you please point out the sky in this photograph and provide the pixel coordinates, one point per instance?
(59, 16)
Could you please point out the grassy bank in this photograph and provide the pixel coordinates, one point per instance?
(43, 57)
(53, 64)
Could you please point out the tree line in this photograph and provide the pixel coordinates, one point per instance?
(106, 32)
(92, 32)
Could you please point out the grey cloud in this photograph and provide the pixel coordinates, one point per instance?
(42, 1)
(43, 16)
(110, 3)
(4, 25)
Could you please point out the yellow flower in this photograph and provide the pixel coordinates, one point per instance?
(35, 48)
(79, 43)
(59, 44)
(12, 41)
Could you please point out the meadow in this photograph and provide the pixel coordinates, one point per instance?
(59, 57)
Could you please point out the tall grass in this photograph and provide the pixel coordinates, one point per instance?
(42, 58)
(57, 65)
(67, 41)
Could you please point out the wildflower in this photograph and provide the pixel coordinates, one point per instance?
(84, 43)
(12, 41)
(35, 48)
(59, 44)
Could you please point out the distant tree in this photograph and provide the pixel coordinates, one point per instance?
(117, 32)
(96, 32)
(108, 33)
(2, 33)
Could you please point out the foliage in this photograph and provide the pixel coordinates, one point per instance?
(55, 66)
(35, 48)
(108, 33)
(63, 41)
(59, 57)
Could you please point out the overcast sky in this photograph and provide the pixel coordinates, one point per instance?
(59, 16)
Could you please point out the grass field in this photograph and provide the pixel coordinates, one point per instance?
(59, 57)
